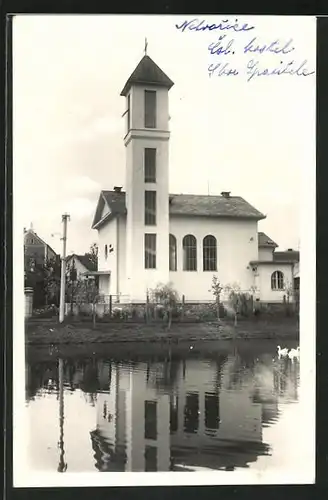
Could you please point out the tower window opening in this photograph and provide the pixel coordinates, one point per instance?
(150, 109)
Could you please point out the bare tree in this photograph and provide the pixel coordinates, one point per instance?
(216, 290)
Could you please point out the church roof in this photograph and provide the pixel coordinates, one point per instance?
(185, 205)
(265, 241)
(147, 73)
(291, 255)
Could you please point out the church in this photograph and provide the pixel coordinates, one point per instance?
(147, 235)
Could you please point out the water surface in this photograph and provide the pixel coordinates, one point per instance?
(203, 406)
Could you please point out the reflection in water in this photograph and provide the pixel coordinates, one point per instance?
(174, 414)
(62, 466)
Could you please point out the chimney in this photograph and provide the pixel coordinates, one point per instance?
(289, 250)
(226, 194)
(25, 230)
(117, 189)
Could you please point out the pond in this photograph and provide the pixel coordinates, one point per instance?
(205, 406)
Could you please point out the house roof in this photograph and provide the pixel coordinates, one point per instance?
(183, 204)
(147, 72)
(290, 255)
(30, 231)
(265, 241)
(85, 261)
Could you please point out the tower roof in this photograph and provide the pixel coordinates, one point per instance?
(147, 72)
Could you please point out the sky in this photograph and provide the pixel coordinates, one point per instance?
(254, 138)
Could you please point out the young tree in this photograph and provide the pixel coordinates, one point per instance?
(233, 292)
(87, 293)
(168, 297)
(216, 290)
(289, 289)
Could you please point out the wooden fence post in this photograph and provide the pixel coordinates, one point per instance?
(110, 305)
(183, 306)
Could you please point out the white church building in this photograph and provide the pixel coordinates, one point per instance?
(147, 235)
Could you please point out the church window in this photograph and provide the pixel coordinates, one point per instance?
(277, 280)
(173, 252)
(150, 251)
(150, 165)
(150, 109)
(150, 208)
(189, 244)
(106, 251)
(209, 253)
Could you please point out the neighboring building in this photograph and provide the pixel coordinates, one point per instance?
(78, 266)
(149, 236)
(276, 273)
(36, 250)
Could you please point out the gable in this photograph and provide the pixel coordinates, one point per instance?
(105, 211)
(30, 238)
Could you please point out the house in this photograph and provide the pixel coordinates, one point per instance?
(276, 273)
(147, 235)
(78, 266)
(36, 250)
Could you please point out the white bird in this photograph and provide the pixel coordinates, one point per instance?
(294, 354)
(282, 352)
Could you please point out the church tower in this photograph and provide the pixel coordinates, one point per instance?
(147, 178)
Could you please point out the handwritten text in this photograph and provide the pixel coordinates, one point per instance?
(290, 68)
(201, 25)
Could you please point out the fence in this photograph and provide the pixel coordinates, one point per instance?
(120, 307)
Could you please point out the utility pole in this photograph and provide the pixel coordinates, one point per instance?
(65, 218)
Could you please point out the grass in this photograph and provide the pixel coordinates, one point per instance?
(51, 332)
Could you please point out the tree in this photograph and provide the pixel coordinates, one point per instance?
(216, 290)
(233, 299)
(44, 278)
(52, 270)
(289, 289)
(71, 282)
(168, 297)
(87, 293)
(93, 254)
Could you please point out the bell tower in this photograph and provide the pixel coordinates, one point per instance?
(147, 178)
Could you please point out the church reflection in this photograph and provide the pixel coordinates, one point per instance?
(176, 414)
(143, 427)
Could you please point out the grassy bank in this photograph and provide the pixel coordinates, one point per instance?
(41, 332)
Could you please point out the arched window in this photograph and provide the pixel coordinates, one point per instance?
(106, 251)
(209, 253)
(189, 245)
(173, 253)
(277, 280)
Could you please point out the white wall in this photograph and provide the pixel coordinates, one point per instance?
(107, 235)
(80, 268)
(235, 249)
(265, 253)
(264, 278)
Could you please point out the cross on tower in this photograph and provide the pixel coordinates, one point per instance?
(146, 45)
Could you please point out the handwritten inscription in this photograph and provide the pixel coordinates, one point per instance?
(290, 68)
(237, 42)
(201, 25)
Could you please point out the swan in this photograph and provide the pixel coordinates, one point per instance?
(294, 354)
(282, 352)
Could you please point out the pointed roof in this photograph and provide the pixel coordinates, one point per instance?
(147, 73)
(265, 241)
